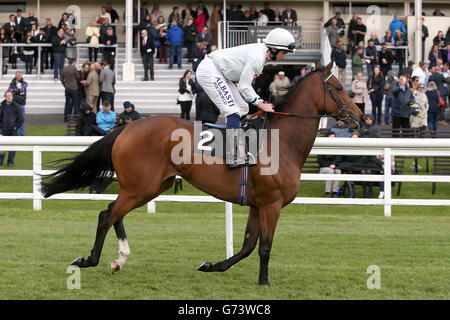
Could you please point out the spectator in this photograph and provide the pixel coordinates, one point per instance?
(102, 16)
(289, 16)
(303, 71)
(332, 32)
(388, 38)
(370, 54)
(20, 21)
(175, 37)
(340, 129)
(69, 36)
(69, 79)
(369, 128)
(357, 62)
(104, 28)
(403, 99)
(409, 69)
(199, 54)
(438, 12)
(28, 53)
(64, 21)
(205, 110)
(4, 51)
(112, 13)
(106, 118)
(87, 123)
(93, 38)
(14, 37)
(144, 11)
(420, 72)
(278, 18)
(30, 21)
(187, 13)
(204, 35)
(18, 87)
(425, 35)
(396, 24)
(440, 81)
(268, 11)
(388, 86)
(190, 32)
(328, 165)
(400, 41)
(162, 31)
(42, 38)
(374, 38)
(385, 59)
(440, 40)
(280, 86)
(82, 76)
(351, 33)
(107, 84)
(174, 15)
(128, 115)
(339, 23)
(10, 119)
(202, 8)
(253, 13)
(156, 13)
(419, 114)
(262, 19)
(59, 49)
(215, 19)
(200, 20)
(376, 88)
(50, 32)
(433, 107)
(109, 52)
(187, 93)
(434, 54)
(340, 58)
(360, 31)
(92, 87)
(359, 88)
(11, 23)
(147, 53)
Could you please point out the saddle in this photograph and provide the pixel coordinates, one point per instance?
(210, 138)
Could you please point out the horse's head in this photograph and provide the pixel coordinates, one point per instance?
(336, 101)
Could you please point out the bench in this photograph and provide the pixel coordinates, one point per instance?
(441, 166)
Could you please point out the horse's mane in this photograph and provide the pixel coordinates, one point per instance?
(279, 105)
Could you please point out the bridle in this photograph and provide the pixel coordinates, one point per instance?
(342, 113)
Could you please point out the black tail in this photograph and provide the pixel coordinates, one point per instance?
(93, 163)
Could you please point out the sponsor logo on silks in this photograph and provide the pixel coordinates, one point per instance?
(225, 95)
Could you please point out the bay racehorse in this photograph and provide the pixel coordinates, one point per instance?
(147, 144)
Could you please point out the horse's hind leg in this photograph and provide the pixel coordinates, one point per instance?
(124, 249)
(250, 238)
(116, 210)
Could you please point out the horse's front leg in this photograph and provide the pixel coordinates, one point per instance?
(268, 219)
(250, 239)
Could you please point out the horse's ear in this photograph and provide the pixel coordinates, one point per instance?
(328, 67)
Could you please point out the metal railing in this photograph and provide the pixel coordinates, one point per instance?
(40, 47)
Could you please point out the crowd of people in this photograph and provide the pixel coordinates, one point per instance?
(414, 97)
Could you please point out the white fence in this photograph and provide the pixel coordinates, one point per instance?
(342, 146)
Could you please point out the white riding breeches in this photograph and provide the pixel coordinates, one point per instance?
(220, 90)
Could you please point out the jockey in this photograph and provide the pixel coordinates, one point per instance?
(217, 72)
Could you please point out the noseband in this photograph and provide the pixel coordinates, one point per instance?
(342, 113)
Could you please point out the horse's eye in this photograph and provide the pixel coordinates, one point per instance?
(339, 88)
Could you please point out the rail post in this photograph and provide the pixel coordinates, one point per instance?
(37, 167)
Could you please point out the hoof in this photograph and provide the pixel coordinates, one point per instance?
(115, 268)
(78, 262)
(205, 267)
